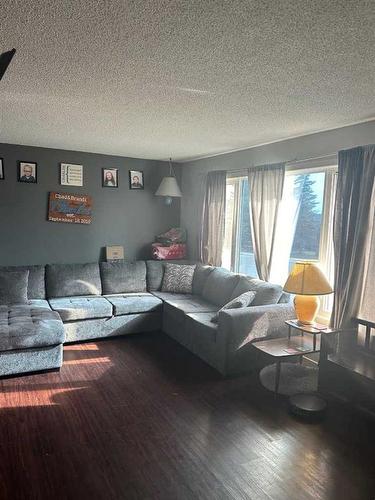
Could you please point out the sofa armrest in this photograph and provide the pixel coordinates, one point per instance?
(246, 325)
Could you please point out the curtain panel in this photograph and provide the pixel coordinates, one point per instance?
(213, 219)
(266, 185)
(352, 231)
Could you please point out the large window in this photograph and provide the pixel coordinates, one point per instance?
(304, 230)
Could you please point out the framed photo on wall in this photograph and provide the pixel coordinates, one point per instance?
(136, 179)
(2, 175)
(27, 172)
(110, 177)
(71, 174)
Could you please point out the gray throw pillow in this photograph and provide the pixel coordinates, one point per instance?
(201, 274)
(178, 278)
(13, 287)
(243, 300)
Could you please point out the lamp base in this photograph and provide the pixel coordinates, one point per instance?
(306, 307)
(308, 406)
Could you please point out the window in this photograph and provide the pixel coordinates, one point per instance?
(238, 254)
(309, 189)
(304, 228)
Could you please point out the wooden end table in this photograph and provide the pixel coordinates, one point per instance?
(285, 348)
(308, 342)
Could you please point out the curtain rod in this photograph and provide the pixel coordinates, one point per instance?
(297, 160)
(287, 163)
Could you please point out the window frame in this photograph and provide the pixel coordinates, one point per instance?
(327, 195)
(327, 214)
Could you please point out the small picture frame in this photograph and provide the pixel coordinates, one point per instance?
(136, 179)
(115, 252)
(71, 174)
(27, 172)
(2, 174)
(110, 177)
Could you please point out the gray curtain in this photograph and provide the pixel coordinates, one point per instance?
(213, 219)
(266, 185)
(352, 228)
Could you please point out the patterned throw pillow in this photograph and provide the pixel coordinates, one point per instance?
(243, 300)
(178, 278)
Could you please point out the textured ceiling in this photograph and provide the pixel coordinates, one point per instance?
(153, 78)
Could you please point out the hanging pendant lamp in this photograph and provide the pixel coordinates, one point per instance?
(169, 187)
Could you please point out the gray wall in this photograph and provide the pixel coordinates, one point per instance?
(120, 216)
(314, 145)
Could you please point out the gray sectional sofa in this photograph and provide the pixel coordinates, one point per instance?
(75, 302)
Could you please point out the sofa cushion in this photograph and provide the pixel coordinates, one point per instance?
(36, 288)
(23, 326)
(266, 293)
(219, 286)
(285, 298)
(243, 300)
(201, 274)
(178, 278)
(123, 277)
(178, 308)
(13, 287)
(44, 304)
(132, 303)
(67, 280)
(201, 324)
(155, 273)
(75, 308)
(172, 296)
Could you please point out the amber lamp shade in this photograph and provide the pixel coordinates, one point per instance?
(307, 282)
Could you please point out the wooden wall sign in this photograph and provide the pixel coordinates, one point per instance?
(71, 208)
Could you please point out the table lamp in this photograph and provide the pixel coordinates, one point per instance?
(307, 281)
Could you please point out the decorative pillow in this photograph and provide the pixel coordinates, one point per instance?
(178, 278)
(243, 300)
(13, 287)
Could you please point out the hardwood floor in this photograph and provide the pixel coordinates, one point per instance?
(139, 417)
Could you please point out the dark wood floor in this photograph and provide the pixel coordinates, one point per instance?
(140, 417)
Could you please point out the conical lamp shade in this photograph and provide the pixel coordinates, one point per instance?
(307, 279)
(169, 187)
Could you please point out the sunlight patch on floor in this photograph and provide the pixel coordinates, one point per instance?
(88, 361)
(81, 347)
(38, 397)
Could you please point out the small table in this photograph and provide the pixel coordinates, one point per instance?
(314, 330)
(303, 404)
(284, 348)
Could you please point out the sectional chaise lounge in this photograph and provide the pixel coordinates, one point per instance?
(76, 302)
